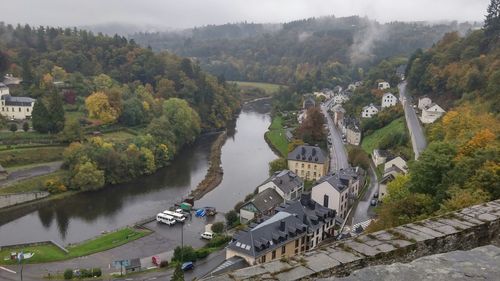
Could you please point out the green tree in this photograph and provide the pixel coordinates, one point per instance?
(184, 254)
(218, 227)
(56, 112)
(26, 126)
(40, 117)
(87, 176)
(133, 113)
(72, 131)
(13, 127)
(231, 218)
(277, 165)
(178, 274)
(492, 23)
(185, 122)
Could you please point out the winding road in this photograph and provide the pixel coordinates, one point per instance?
(416, 132)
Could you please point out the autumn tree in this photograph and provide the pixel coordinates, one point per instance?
(98, 106)
(185, 122)
(277, 165)
(311, 129)
(87, 177)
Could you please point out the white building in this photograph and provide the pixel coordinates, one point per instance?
(388, 100)
(431, 113)
(379, 156)
(340, 98)
(397, 162)
(286, 183)
(424, 102)
(383, 85)
(337, 191)
(14, 108)
(369, 110)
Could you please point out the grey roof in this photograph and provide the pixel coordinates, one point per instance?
(340, 180)
(266, 200)
(268, 235)
(17, 101)
(313, 214)
(308, 153)
(285, 180)
(231, 264)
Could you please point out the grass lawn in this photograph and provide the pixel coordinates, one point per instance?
(267, 87)
(372, 141)
(118, 136)
(49, 253)
(25, 156)
(32, 184)
(276, 136)
(73, 115)
(22, 135)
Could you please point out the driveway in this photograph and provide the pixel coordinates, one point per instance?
(416, 132)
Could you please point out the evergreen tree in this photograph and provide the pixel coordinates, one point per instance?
(178, 274)
(56, 112)
(40, 116)
(492, 23)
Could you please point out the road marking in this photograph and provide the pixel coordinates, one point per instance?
(8, 270)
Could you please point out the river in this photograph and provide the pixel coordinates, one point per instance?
(245, 158)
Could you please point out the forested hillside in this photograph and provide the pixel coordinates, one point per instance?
(461, 165)
(319, 51)
(77, 57)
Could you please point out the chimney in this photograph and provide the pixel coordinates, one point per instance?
(282, 225)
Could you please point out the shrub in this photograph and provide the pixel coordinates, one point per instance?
(84, 273)
(96, 272)
(163, 264)
(184, 254)
(202, 253)
(218, 227)
(55, 186)
(68, 274)
(218, 241)
(13, 127)
(26, 126)
(231, 218)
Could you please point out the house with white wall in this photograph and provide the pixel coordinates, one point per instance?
(15, 108)
(431, 113)
(286, 183)
(383, 85)
(369, 110)
(423, 102)
(388, 100)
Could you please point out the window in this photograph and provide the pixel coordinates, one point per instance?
(325, 200)
(302, 165)
(19, 109)
(303, 240)
(283, 249)
(315, 166)
(309, 166)
(315, 174)
(296, 251)
(263, 259)
(27, 109)
(273, 255)
(297, 243)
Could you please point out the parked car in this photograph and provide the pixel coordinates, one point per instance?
(187, 266)
(375, 195)
(207, 235)
(373, 202)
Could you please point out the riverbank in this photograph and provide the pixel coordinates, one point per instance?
(276, 137)
(215, 172)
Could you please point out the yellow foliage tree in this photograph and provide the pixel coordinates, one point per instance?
(98, 106)
(480, 140)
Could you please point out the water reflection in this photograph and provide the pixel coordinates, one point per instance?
(82, 216)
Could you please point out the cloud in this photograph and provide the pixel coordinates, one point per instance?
(189, 13)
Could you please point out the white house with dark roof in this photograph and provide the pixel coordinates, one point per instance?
(280, 236)
(398, 162)
(262, 204)
(286, 183)
(338, 190)
(15, 108)
(423, 102)
(308, 162)
(383, 85)
(369, 110)
(388, 100)
(431, 113)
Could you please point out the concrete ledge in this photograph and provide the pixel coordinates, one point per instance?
(463, 230)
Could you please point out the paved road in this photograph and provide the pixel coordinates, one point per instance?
(363, 210)
(338, 153)
(416, 133)
(22, 174)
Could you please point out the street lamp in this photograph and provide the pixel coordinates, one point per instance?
(20, 257)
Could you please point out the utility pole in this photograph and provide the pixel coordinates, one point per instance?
(182, 242)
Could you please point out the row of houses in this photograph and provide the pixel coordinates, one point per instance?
(349, 126)
(388, 100)
(284, 220)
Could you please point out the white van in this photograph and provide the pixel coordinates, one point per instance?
(166, 219)
(207, 235)
(178, 217)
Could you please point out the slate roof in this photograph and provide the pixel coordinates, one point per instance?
(313, 214)
(17, 101)
(269, 235)
(308, 153)
(285, 180)
(340, 180)
(266, 200)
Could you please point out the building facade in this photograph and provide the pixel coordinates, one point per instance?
(383, 85)
(262, 204)
(286, 183)
(369, 111)
(388, 100)
(308, 162)
(15, 108)
(431, 113)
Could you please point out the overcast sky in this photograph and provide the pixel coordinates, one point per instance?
(189, 13)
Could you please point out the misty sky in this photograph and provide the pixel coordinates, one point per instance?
(189, 13)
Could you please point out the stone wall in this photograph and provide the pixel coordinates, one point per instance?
(466, 229)
(8, 200)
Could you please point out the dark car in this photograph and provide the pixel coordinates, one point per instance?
(373, 202)
(375, 195)
(187, 266)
